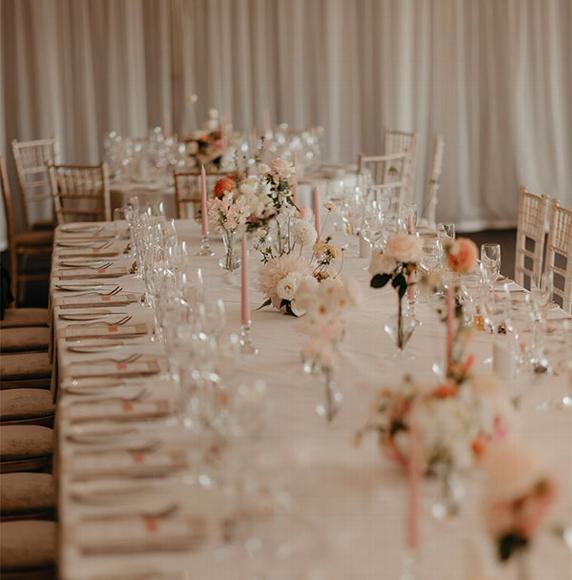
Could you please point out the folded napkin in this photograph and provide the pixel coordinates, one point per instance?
(141, 534)
(91, 274)
(159, 462)
(116, 410)
(103, 331)
(95, 300)
(111, 369)
(113, 249)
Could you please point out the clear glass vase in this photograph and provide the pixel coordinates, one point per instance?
(332, 398)
(230, 261)
(401, 328)
(450, 492)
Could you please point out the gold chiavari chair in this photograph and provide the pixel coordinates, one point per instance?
(22, 246)
(188, 191)
(530, 236)
(31, 159)
(81, 192)
(559, 255)
(404, 142)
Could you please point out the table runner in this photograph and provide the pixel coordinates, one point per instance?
(352, 500)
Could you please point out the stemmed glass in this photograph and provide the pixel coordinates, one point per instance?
(491, 262)
(446, 232)
(541, 289)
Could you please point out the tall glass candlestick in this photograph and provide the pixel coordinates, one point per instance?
(205, 249)
(246, 346)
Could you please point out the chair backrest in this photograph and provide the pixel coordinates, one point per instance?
(530, 234)
(559, 255)
(10, 231)
(434, 182)
(393, 193)
(81, 192)
(188, 191)
(31, 158)
(404, 142)
(384, 169)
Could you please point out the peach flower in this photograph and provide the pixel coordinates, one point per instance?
(282, 168)
(224, 185)
(461, 255)
(405, 248)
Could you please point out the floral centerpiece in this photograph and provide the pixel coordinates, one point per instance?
(207, 146)
(519, 493)
(396, 264)
(455, 426)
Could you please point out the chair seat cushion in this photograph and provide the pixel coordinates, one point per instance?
(25, 441)
(22, 317)
(27, 544)
(26, 365)
(30, 338)
(36, 239)
(25, 404)
(24, 493)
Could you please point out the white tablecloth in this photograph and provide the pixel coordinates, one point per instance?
(350, 501)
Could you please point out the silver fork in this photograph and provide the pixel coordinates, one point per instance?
(103, 266)
(113, 292)
(119, 322)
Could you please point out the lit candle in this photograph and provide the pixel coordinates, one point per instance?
(244, 302)
(204, 210)
(316, 209)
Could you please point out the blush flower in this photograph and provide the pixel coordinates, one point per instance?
(405, 248)
(381, 263)
(282, 168)
(461, 255)
(224, 185)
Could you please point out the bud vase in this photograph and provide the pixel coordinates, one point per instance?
(230, 260)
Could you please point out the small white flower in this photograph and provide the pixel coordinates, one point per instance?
(249, 186)
(213, 114)
(304, 233)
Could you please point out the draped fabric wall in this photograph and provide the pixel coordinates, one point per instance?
(493, 76)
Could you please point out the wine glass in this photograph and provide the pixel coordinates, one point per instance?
(491, 262)
(541, 289)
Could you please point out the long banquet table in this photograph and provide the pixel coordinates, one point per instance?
(349, 514)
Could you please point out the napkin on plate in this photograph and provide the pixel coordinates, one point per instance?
(113, 369)
(92, 274)
(116, 410)
(141, 534)
(90, 301)
(78, 331)
(159, 462)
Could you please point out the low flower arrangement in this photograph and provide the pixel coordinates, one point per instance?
(207, 146)
(455, 427)
(520, 492)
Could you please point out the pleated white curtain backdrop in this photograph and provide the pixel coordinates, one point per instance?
(493, 76)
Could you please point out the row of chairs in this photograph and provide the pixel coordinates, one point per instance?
(537, 251)
(27, 490)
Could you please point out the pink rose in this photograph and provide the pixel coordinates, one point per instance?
(282, 168)
(404, 248)
(462, 255)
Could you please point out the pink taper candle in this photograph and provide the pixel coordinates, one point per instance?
(413, 475)
(450, 315)
(204, 210)
(316, 209)
(244, 302)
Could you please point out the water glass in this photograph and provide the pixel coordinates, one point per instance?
(491, 262)
(446, 231)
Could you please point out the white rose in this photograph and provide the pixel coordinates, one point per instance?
(213, 114)
(381, 263)
(249, 186)
(212, 124)
(304, 233)
(287, 286)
